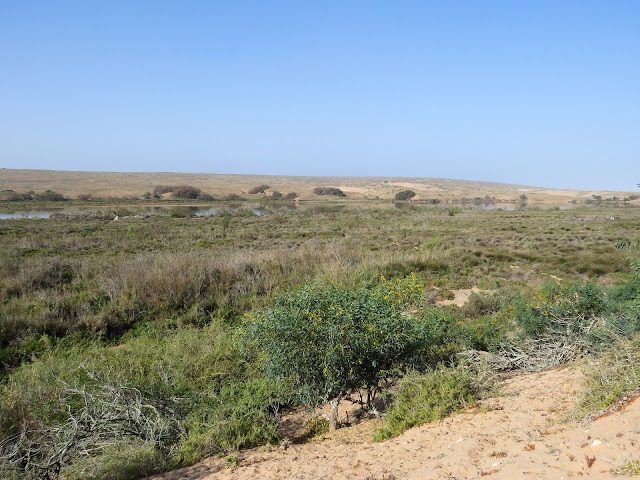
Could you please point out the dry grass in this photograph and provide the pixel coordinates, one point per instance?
(118, 184)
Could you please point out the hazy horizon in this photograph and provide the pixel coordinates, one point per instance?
(540, 93)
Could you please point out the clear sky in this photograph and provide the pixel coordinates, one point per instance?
(535, 92)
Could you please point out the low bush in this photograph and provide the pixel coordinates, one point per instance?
(232, 197)
(328, 342)
(259, 189)
(405, 195)
(187, 192)
(610, 377)
(19, 197)
(50, 196)
(179, 395)
(423, 398)
(329, 191)
(480, 304)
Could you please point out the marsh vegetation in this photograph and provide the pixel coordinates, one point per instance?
(135, 346)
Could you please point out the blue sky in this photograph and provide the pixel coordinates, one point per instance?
(543, 93)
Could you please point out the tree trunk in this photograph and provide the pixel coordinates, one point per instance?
(333, 418)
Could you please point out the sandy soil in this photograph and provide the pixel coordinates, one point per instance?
(461, 296)
(517, 435)
(105, 184)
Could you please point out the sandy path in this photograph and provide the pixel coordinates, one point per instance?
(514, 436)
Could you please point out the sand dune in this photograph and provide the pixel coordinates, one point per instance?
(517, 435)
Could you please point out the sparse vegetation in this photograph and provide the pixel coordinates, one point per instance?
(98, 309)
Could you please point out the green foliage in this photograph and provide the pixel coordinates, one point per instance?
(330, 341)
(559, 310)
(629, 469)
(480, 304)
(187, 192)
(119, 461)
(329, 191)
(185, 392)
(317, 426)
(614, 374)
(405, 195)
(259, 189)
(242, 418)
(50, 196)
(423, 398)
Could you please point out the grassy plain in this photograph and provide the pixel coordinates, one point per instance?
(133, 185)
(146, 309)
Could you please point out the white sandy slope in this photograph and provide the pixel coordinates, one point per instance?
(517, 435)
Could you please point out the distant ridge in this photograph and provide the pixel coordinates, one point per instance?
(134, 184)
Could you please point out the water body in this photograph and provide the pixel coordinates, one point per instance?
(174, 210)
(248, 208)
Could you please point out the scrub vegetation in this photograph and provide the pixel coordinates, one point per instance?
(140, 345)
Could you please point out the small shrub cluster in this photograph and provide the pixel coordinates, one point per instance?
(329, 191)
(259, 189)
(186, 192)
(176, 396)
(330, 342)
(46, 196)
(405, 195)
(423, 398)
(610, 377)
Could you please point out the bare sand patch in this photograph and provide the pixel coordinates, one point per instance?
(517, 435)
(461, 296)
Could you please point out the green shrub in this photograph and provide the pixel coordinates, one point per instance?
(317, 425)
(186, 191)
(480, 304)
(328, 342)
(185, 392)
(614, 374)
(405, 195)
(259, 189)
(560, 310)
(20, 197)
(50, 196)
(329, 191)
(119, 461)
(423, 398)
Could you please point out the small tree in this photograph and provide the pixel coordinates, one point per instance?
(329, 342)
(259, 189)
(186, 191)
(405, 195)
(329, 191)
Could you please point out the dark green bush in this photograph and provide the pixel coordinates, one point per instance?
(19, 197)
(259, 189)
(186, 191)
(329, 191)
(50, 196)
(423, 398)
(329, 342)
(184, 393)
(405, 195)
